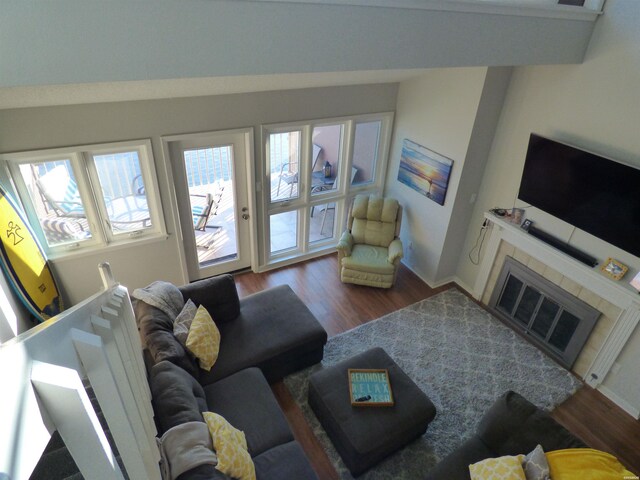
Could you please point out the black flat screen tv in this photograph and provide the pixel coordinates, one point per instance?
(592, 193)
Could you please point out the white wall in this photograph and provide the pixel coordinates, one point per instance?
(50, 127)
(594, 105)
(436, 110)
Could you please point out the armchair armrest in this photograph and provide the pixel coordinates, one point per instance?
(395, 251)
(217, 294)
(345, 244)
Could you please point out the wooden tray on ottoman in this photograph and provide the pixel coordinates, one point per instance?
(370, 387)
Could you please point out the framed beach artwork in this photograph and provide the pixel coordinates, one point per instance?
(425, 171)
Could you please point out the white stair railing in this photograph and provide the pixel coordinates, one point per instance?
(41, 372)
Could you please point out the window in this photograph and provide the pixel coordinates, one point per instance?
(88, 196)
(311, 172)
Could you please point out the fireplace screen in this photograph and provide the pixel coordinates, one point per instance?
(553, 319)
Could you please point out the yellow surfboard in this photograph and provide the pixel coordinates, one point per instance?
(24, 263)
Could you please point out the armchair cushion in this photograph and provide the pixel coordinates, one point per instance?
(366, 258)
(374, 220)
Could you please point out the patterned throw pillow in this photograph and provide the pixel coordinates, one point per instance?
(501, 468)
(233, 460)
(183, 321)
(204, 339)
(535, 465)
(230, 445)
(217, 424)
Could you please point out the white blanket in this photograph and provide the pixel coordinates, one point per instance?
(184, 447)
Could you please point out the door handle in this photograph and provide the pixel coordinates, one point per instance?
(245, 216)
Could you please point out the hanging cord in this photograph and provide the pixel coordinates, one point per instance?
(478, 245)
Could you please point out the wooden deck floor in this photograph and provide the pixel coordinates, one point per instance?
(340, 307)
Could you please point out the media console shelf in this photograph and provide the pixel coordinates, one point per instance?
(620, 294)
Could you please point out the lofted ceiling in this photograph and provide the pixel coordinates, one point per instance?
(81, 51)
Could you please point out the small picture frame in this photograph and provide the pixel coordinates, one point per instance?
(526, 225)
(614, 269)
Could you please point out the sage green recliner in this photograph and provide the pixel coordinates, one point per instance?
(369, 251)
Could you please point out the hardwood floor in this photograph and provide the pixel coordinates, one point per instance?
(340, 307)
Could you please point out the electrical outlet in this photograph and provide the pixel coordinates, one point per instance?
(410, 246)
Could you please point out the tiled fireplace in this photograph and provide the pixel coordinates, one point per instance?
(617, 303)
(604, 324)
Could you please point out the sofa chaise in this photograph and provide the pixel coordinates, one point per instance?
(264, 337)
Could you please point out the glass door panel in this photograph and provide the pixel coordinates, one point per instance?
(527, 305)
(510, 295)
(321, 226)
(545, 317)
(284, 165)
(283, 228)
(327, 141)
(565, 328)
(365, 151)
(210, 182)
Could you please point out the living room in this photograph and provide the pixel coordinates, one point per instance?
(479, 116)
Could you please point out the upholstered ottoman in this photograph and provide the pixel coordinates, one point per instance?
(363, 436)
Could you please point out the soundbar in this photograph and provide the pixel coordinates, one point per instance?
(562, 246)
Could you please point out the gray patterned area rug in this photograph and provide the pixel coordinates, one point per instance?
(461, 357)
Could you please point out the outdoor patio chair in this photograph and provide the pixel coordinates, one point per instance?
(201, 211)
(60, 192)
(289, 171)
(332, 206)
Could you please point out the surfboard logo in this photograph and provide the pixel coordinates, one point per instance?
(14, 231)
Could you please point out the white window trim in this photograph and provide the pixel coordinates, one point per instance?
(81, 158)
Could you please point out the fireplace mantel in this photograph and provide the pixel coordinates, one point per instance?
(619, 294)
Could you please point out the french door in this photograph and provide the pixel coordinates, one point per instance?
(211, 178)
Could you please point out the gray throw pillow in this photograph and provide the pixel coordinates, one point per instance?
(535, 465)
(182, 323)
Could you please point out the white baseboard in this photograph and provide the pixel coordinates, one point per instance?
(464, 286)
(440, 283)
(623, 404)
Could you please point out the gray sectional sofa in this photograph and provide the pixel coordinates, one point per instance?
(264, 337)
(512, 426)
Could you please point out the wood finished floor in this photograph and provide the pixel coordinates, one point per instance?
(340, 307)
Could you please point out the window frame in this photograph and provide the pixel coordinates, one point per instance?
(91, 192)
(341, 195)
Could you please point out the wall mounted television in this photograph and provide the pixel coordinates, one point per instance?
(592, 193)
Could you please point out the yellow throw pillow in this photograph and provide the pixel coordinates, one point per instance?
(585, 464)
(204, 339)
(501, 468)
(217, 424)
(233, 460)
